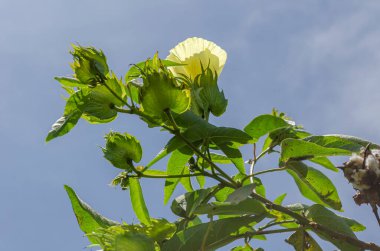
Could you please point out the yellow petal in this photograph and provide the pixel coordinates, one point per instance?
(195, 52)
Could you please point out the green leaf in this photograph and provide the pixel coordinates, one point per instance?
(154, 172)
(264, 124)
(121, 149)
(276, 136)
(176, 165)
(295, 148)
(220, 235)
(186, 204)
(201, 180)
(233, 153)
(325, 217)
(314, 185)
(138, 203)
(240, 194)
(220, 159)
(197, 130)
(186, 181)
(70, 82)
(325, 162)
(63, 125)
(133, 241)
(353, 224)
(280, 199)
(247, 206)
(302, 241)
(345, 142)
(89, 221)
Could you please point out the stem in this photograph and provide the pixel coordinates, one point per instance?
(116, 96)
(140, 174)
(262, 172)
(207, 233)
(250, 234)
(271, 224)
(177, 133)
(315, 226)
(255, 159)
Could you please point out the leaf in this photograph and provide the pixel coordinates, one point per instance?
(276, 136)
(302, 241)
(186, 204)
(201, 180)
(295, 148)
(325, 217)
(121, 149)
(325, 162)
(71, 115)
(89, 221)
(197, 130)
(240, 194)
(345, 142)
(173, 144)
(247, 206)
(220, 159)
(264, 124)
(63, 125)
(233, 153)
(176, 166)
(353, 224)
(280, 199)
(138, 203)
(70, 82)
(221, 234)
(186, 181)
(314, 185)
(133, 241)
(154, 172)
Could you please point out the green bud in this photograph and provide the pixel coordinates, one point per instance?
(122, 149)
(206, 94)
(90, 65)
(161, 91)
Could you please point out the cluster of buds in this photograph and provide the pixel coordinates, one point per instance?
(363, 172)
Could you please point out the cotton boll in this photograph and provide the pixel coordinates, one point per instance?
(373, 164)
(355, 161)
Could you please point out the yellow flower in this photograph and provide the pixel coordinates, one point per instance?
(194, 52)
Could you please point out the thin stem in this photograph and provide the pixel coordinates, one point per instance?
(177, 132)
(142, 175)
(315, 226)
(209, 227)
(255, 159)
(114, 94)
(271, 224)
(262, 172)
(250, 234)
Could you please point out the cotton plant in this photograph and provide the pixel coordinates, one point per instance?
(179, 94)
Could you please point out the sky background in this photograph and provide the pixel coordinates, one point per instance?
(318, 61)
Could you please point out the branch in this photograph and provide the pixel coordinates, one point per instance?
(177, 133)
(315, 226)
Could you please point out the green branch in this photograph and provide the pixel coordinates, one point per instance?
(315, 226)
(177, 133)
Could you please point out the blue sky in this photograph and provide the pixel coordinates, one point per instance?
(318, 61)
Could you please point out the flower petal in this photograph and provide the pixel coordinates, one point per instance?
(194, 52)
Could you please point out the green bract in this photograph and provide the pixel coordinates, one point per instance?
(122, 149)
(90, 65)
(206, 94)
(161, 92)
